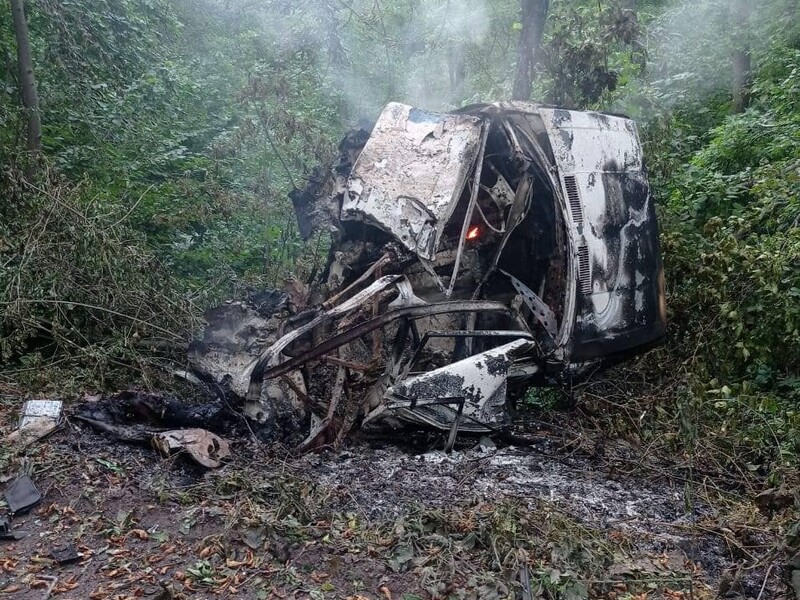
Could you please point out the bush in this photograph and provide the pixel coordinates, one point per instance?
(732, 242)
(79, 287)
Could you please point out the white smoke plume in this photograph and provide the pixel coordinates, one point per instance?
(418, 58)
(376, 51)
(690, 46)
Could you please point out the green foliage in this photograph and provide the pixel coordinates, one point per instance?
(729, 208)
(78, 288)
(589, 50)
(761, 429)
(732, 241)
(200, 121)
(544, 398)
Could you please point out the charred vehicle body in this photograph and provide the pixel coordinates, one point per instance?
(473, 253)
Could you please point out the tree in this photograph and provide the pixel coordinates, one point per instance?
(741, 56)
(534, 14)
(27, 81)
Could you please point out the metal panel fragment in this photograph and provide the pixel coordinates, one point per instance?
(599, 158)
(480, 380)
(411, 173)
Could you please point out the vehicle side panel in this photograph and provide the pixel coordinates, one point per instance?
(620, 303)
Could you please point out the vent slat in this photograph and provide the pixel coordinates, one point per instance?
(584, 274)
(574, 198)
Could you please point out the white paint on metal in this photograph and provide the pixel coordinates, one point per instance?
(588, 146)
(482, 384)
(411, 173)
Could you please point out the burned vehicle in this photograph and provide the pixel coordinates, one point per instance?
(473, 254)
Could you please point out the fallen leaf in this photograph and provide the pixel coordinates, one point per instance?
(65, 586)
(139, 533)
(8, 565)
(247, 562)
(11, 589)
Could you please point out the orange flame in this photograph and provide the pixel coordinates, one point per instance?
(473, 233)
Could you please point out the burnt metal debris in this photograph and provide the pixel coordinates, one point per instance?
(166, 423)
(7, 532)
(21, 495)
(473, 254)
(39, 418)
(64, 555)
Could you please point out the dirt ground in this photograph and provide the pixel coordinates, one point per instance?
(563, 517)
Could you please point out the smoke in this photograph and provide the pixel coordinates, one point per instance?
(414, 52)
(370, 52)
(689, 49)
(435, 78)
(691, 45)
(439, 54)
(374, 51)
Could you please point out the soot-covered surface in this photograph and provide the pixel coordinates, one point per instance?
(386, 482)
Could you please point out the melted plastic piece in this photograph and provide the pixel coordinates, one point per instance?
(22, 495)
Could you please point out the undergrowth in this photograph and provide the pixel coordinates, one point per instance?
(733, 448)
(717, 405)
(82, 299)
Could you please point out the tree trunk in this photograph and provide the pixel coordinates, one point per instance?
(534, 14)
(741, 55)
(456, 71)
(741, 80)
(27, 81)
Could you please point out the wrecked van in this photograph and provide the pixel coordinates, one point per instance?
(473, 253)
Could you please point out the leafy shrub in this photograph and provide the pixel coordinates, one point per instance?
(732, 242)
(78, 286)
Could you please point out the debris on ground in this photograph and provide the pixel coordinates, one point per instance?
(204, 447)
(21, 495)
(419, 523)
(7, 531)
(39, 418)
(65, 555)
(145, 418)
